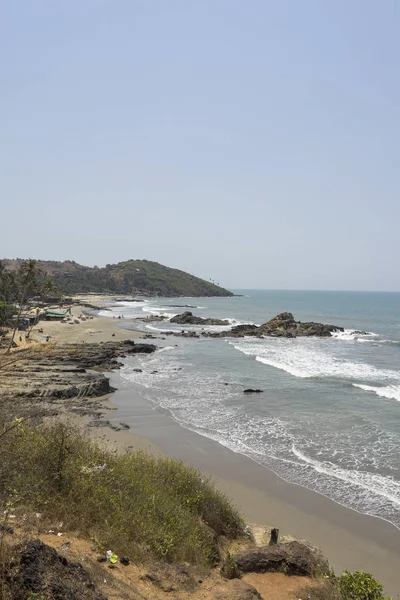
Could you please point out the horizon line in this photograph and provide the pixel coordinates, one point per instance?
(313, 290)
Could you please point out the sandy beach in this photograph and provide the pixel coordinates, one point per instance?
(95, 329)
(350, 540)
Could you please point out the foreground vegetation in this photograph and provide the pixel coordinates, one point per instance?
(128, 277)
(141, 506)
(148, 508)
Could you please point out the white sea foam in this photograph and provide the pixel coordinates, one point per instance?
(385, 487)
(330, 461)
(308, 358)
(349, 335)
(157, 329)
(128, 309)
(158, 310)
(392, 392)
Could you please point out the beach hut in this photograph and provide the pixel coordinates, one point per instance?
(54, 315)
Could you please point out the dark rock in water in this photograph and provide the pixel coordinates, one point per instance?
(251, 391)
(41, 572)
(125, 426)
(243, 328)
(141, 348)
(137, 370)
(283, 325)
(187, 318)
(153, 372)
(292, 558)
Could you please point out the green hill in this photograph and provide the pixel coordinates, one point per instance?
(130, 277)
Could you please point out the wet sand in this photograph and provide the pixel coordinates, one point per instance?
(350, 540)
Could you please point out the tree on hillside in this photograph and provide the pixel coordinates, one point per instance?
(49, 288)
(7, 295)
(27, 285)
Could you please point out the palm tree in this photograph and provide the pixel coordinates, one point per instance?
(28, 273)
(48, 287)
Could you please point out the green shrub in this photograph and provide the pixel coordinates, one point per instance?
(359, 586)
(138, 505)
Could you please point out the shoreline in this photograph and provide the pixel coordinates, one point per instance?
(93, 329)
(349, 539)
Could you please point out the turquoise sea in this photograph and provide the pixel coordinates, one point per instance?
(329, 414)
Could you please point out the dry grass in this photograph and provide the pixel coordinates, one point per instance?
(139, 505)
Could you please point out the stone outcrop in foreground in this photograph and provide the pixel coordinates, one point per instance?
(292, 558)
(40, 572)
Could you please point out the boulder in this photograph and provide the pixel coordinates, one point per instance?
(245, 328)
(283, 325)
(39, 571)
(188, 318)
(293, 558)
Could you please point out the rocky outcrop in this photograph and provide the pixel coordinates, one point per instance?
(292, 558)
(187, 318)
(39, 571)
(54, 374)
(283, 325)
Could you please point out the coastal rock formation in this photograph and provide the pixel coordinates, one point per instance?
(283, 325)
(51, 374)
(292, 558)
(187, 318)
(39, 569)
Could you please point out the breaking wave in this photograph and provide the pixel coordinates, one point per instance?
(392, 392)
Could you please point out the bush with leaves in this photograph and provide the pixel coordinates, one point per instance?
(139, 505)
(360, 586)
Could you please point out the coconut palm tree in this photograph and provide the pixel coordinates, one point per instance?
(27, 276)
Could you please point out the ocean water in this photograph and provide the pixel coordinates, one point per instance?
(329, 415)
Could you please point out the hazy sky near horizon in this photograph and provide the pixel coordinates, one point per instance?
(254, 143)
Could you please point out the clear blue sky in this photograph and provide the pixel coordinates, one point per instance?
(256, 143)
